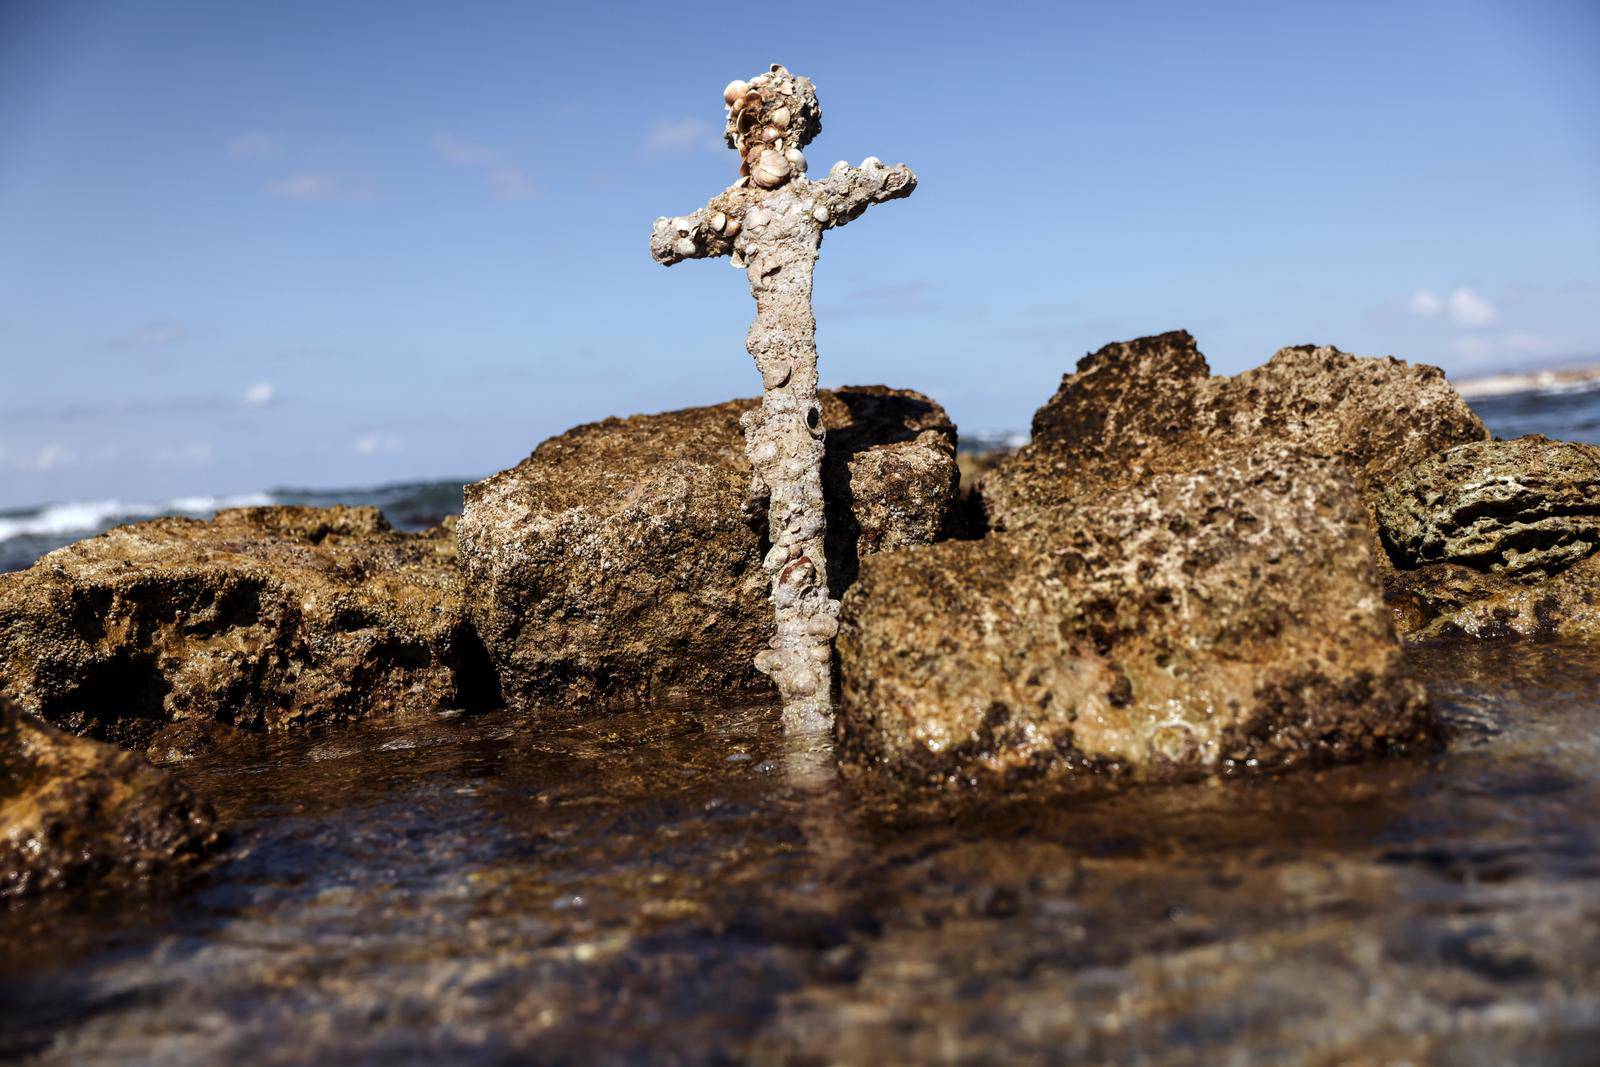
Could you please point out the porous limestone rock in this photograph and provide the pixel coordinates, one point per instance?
(75, 812)
(1218, 619)
(771, 223)
(1528, 508)
(1151, 405)
(262, 618)
(1449, 600)
(624, 558)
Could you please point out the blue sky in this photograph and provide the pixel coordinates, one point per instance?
(249, 245)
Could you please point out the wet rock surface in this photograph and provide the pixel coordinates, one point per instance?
(1448, 600)
(172, 632)
(76, 813)
(1224, 619)
(1527, 508)
(623, 558)
(1151, 405)
(688, 886)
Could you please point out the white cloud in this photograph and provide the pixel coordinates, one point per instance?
(373, 444)
(1426, 304)
(460, 152)
(254, 145)
(156, 333)
(47, 458)
(510, 183)
(258, 395)
(316, 186)
(1470, 309)
(673, 136)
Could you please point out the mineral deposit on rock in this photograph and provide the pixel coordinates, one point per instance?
(1528, 508)
(75, 812)
(263, 618)
(1151, 405)
(1217, 619)
(623, 558)
(771, 223)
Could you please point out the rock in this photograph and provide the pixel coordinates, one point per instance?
(263, 618)
(1214, 620)
(1447, 600)
(74, 812)
(1151, 405)
(1528, 508)
(623, 558)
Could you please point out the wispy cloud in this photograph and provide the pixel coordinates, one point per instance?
(460, 152)
(155, 333)
(676, 136)
(318, 187)
(258, 395)
(1470, 309)
(188, 454)
(373, 444)
(505, 181)
(1465, 306)
(254, 145)
(41, 460)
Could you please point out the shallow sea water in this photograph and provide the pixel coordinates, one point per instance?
(686, 885)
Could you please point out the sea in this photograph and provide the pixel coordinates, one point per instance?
(1564, 411)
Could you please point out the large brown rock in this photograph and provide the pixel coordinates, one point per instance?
(1528, 508)
(1151, 405)
(263, 618)
(75, 812)
(1218, 619)
(623, 558)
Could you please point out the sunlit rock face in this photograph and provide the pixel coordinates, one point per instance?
(1496, 539)
(623, 558)
(1151, 405)
(75, 812)
(1528, 508)
(1222, 619)
(165, 633)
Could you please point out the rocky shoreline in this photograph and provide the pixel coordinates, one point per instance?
(1180, 576)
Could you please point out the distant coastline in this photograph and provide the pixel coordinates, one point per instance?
(1577, 379)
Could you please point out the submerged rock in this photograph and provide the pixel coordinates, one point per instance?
(623, 558)
(1151, 405)
(74, 811)
(1217, 619)
(1528, 508)
(263, 618)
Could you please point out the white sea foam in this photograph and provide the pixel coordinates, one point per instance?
(79, 516)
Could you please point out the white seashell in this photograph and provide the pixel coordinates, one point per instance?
(758, 217)
(872, 163)
(840, 167)
(780, 118)
(822, 625)
(821, 653)
(767, 661)
(685, 246)
(731, 228)
(737, 260)
(718, 221)
(796, 159)
(775, 376)
(820, 213)
(734, 91)
(770, 170)
(802, 682)
(777, 557)
(770, 134)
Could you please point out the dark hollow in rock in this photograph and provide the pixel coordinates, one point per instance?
(75, 812)
(1528, 508)
(623, 558)
(1220, 619)
(1141, 407)
(164, 632)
